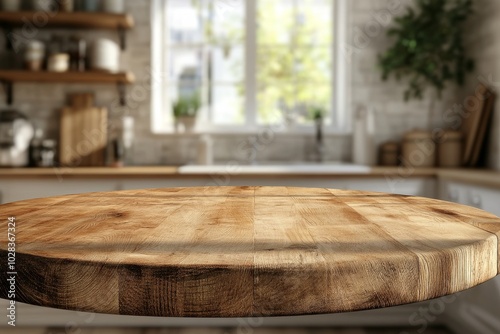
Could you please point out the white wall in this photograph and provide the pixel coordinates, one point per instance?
(369, 21)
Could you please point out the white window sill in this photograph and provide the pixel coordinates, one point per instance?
(241, 131)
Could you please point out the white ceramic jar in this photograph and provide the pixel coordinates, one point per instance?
(58, 62)
(105, 55)
(34, 55)
(113, 6)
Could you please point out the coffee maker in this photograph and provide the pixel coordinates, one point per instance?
(16, 133)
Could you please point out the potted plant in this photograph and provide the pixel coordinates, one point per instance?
(185, 110)
(317, 113)
(429, 47)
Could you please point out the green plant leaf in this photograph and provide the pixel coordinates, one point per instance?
(428, 46)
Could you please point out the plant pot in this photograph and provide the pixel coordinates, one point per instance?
(187, 122)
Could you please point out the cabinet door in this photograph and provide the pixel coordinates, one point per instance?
(235, 180)
(454, 192)
(485, 199)
(412, 187)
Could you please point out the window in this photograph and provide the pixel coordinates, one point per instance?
(252, 62)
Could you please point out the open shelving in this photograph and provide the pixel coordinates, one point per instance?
(10, 21)
(70, 20)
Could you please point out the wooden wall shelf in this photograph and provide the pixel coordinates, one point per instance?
(76, 20)
(84, 20)
(67, 77)
(73, 20)
(9, 77)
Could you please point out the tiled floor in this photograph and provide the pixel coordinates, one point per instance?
(224, 331)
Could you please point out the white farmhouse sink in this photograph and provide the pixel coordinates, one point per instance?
(277, 168)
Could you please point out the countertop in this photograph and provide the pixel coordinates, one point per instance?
(80, 172)
(173, 171)
(489, 178)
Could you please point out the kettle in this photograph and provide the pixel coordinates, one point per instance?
(16, 133)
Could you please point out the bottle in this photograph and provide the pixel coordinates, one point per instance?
(364, 150)
(34, 55)
(205, 151)
(78, 54)
(36, 148)
(48, 153)
(82, 55)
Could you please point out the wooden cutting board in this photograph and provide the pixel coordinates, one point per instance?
(487, 115)
(83, 135)
(472, 123)
(245, 251)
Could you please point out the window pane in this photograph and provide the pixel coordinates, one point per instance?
(304, 22)
(288, 63)
(185, 64)
(275, 99)
(184, 20)
(228, 64)
(227, 104)
(275, 21)
(206, 56)
(314, 22)
(275, 63)
(308, 96)
(313, 65)
(294, 59)
(281, 101)
(228, 22)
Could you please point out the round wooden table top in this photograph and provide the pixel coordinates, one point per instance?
(244, 251)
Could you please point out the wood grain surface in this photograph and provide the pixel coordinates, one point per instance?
(245, 251)
(86, 20)
(72, 77)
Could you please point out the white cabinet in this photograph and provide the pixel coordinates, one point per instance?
(475, 311)
(415, 187)
(487, 199)
(21, 189)
(423, 187)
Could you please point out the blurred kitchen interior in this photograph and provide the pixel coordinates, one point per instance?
(394, 96)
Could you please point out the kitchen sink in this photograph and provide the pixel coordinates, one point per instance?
(277, 168)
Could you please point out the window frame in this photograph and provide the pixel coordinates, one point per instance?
(340, 113)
